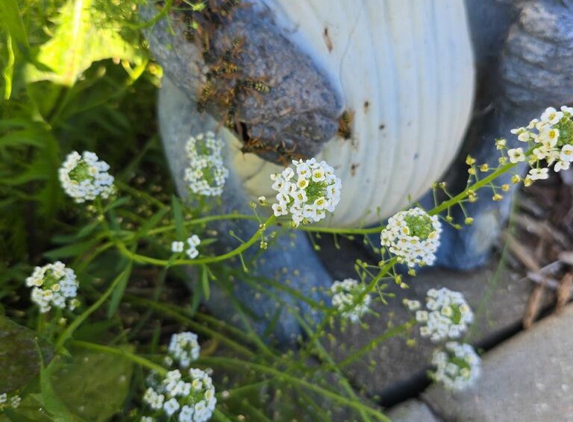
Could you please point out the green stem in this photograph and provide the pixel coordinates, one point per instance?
(164, 263)
(80, 319)
(166, 310)
(375, 342)
(204, 220)
(242, 365)
(475, 187)
(121, 352)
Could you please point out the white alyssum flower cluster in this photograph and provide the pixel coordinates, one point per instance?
(53, 285)
(447, 315)
(349, 298)
(183, 399)
(413, 236)
(84, 177)
(307, 192)
(549, 139)
(206, 174)
(183, 349)
(457, 366)
(192, 243)
(12, 401)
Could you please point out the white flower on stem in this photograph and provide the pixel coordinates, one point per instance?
(551, 116)
(412, 305)
(447, 315)
(192, 244)
(413, 236)
(349, 297)
(539, 174)
(53, 285)
(206, 174)
(308, 193)
(184, 348)
(561, 165)
(457, 366)
(549, 136)
(84, 177)
(516, 155)
(177, 246)
(566, 153)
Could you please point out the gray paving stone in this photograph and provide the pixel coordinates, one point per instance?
(393, 371)
(412, 411)
(528, 378)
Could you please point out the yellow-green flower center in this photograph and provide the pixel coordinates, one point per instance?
(419, 225)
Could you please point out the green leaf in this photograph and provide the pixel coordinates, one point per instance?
(83, 36)
(178, 217)
(8, 73)
(151, 223)
(119, 290)
(50, 400)
(19, 359)
(23, 138)
(94, 385)
(74, 249)
(11, 21)
(205, 281)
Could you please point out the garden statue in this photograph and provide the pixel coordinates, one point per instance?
(394, 95)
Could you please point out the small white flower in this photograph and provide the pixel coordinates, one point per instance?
(551, 116)
(192, 243)
(349, 298)
(413, 236)
(177, 247)
(550, 136)
(308, 194)
(516, 155)
(566, 153)
(171, 406)
(457, 366)
(84, 177)
(206, 174)
(412, 305)
(53, 285)
(539, 174)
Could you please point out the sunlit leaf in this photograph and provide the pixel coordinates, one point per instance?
(83, 36)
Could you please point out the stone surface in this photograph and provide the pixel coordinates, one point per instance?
(394, 371)
(528, 378)
(412, 411)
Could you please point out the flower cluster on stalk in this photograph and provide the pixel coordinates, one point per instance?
(307, 192)
(349, 297)
(413, 236)
(183, 349)
(53, 285)
(184, 398)
(457, 366)
(549, 140)
(84, 177)
(446, 316)
(206, 174)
